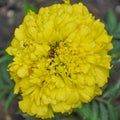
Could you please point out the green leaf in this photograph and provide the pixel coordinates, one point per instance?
(5, 75)
(95, 111)
(113, 113)
(19, 112)
(57, 117)
(111, 22)
(1, 81)
(4, 58)
(9, 100)
(117, 32)
(3, 94)
(27, 7)
(116, 45)
(112, 91)
(103, 112)
(2, 52)
(5, 87)
(30, 118)
(85, 111)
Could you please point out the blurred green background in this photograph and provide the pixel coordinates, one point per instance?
(105, 107)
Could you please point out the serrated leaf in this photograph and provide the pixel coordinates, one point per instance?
(30, 118)
(116, 45)
(117, 32)
(85, 111)
(27, 7)
(116, 48)
(57, 117)
(103, 112)
(112, 91)
(19, 112)
(95, 111)
(111, 22)
(113, 113)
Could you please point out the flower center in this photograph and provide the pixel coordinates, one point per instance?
(52, 52)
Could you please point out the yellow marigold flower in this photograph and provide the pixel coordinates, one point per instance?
(60, 59)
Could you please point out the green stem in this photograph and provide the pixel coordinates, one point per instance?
(102, 100)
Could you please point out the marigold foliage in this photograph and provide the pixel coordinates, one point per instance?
(60, 59)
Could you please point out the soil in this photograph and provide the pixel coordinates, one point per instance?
(11, 15)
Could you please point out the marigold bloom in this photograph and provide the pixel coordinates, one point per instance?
(60, 59)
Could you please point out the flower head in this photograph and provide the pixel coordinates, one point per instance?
(60, 59)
